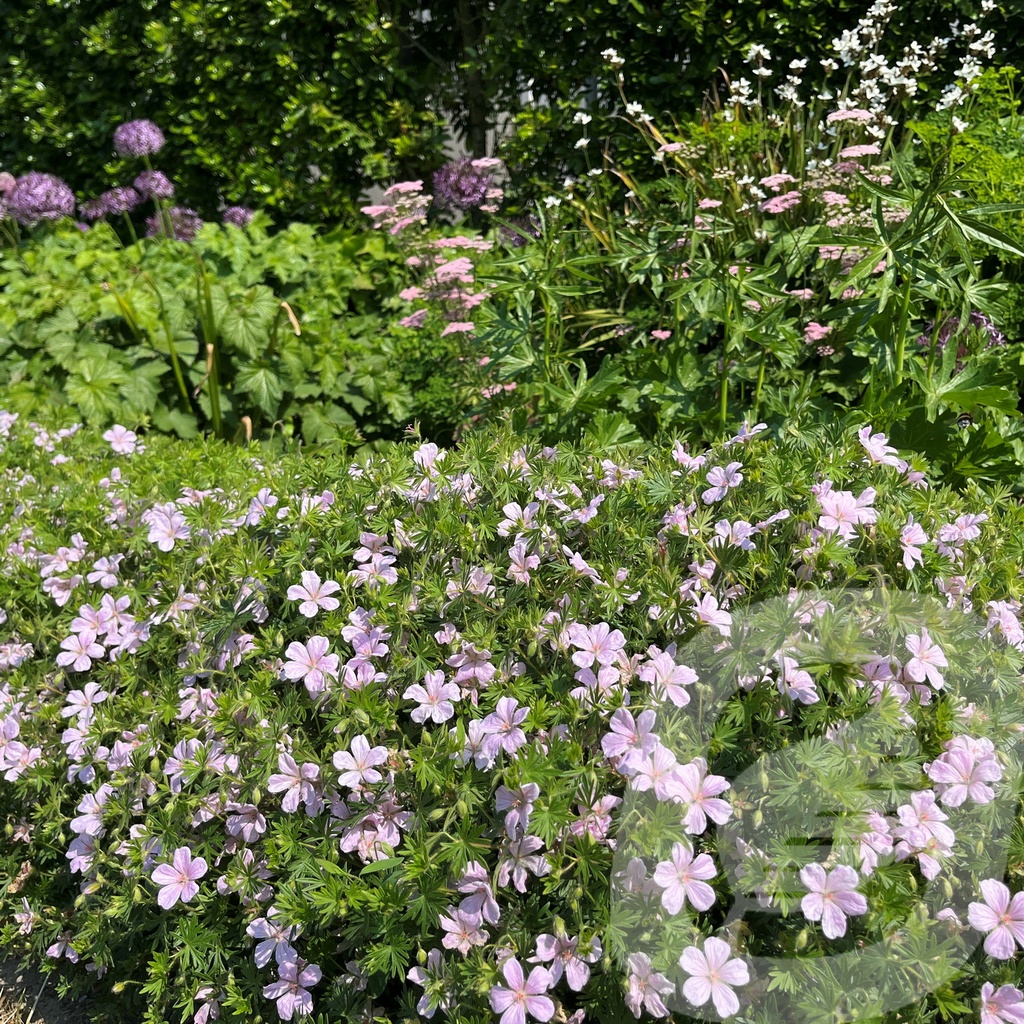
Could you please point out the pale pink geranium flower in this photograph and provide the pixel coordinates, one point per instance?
(878, 448)
(721, 480)
(358, 768)
(562, 952)
(518, 803)
(523, 995)
(311, 663)
(314, 595)
(699, 792)
(713, 975)
(1004, 1005)
(476, 884)
(646, 987)
(832, 897)
(290, 990)
(964, 770)
(274, 939)
(502, 728)
(912, 536)
(1001, 916)
(684, 878)
(121, 439)
(434, 697)
(463, 929)
(629, 740)
(926, 661)
(668, 679)
(79, 651)
(297, 784)
(177, 880)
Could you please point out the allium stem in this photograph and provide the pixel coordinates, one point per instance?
(175, 362)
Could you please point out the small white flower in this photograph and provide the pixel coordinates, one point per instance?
(582, 118)
(595, 172)
(552, 201)
(960, 126)
(582, 143)
(612, 57)
(634, 108)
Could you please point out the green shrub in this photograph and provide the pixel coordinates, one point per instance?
(299, 321)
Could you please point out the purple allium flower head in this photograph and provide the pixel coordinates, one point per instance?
(459, 185)
(185, 224)
(120, 200)
(37, 196)
(154, 185)
(238, 215)
(138, 138)
(93, 209)
(977, 326)
(519, 231)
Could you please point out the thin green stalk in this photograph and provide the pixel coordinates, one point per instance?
(175, 362)
(131, 229)
(901, 331)
(760, 383)
(209, 327)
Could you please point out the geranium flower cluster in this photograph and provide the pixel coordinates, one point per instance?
(370, 750)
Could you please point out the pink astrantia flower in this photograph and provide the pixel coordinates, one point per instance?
(311, 663)
(1001, 916)
(713, 975)
(177, 880)
(684, 878)
(314, 595)
(831, 898)
(926, 661)
(523, 995)
(1004, 1005)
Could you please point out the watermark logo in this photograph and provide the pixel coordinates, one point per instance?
(812, 805)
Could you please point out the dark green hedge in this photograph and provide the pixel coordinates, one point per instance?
(253, 93)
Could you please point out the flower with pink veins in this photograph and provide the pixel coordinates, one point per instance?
(629, 740)
(1004, 1005)
(518, 803)
(684, 878)
(668, 679)
(912, 536)
(476, 884)
(314, 594)
(721, 480)
(921, 819)
(274, 939)
(646, 987)
(831, 898)
(502, 727)
(291, 989)
(713, 975)
(462, 929)
(926, 661)
(708, 612)
(434, 697)
(963, 774)
(177, 880)
(656, 771)
(1001, 916)
(297, 784)
(598, 643)
(522, 856)
(698, 792)
(79, 651)
(522, 995)
(311, 663)
(563, 953)
(358, 768)
(878, 448)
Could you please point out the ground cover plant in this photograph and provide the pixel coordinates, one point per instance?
(358, 739)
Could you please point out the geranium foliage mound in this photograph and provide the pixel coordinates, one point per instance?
(287, 736)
